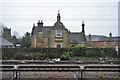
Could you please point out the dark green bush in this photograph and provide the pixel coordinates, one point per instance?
(66, 56)
(50, 53)
(78, 51)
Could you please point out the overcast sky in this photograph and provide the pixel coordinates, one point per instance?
(100, 16)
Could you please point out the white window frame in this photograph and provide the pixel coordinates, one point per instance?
(58, 33)
(105, 43)
(58, 44)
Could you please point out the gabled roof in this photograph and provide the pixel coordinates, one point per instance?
(34, 31)
(102, 38)
(95, 37)
(116, 38)
(77, 38)
(4, 42)
(45, 30)
(108, 39)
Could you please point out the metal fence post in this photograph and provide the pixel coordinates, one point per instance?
(81, 75)
(82, 70)
(15, 76)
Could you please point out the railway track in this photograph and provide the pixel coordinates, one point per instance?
(58, 62)
(28, 69)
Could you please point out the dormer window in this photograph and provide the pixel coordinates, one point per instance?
(58, 33)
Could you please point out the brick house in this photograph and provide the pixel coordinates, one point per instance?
(102, 41)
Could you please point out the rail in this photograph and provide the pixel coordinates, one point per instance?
(59, 62)
(82, 70)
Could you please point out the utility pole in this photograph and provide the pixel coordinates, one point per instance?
(117, 49)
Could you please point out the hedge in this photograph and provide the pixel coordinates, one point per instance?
(50, 53)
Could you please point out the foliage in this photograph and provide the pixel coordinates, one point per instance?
(63, 53)
(26, 40)
(8, 53)
(93, 52)
(110, 52)
(78, 51)
(66, 56)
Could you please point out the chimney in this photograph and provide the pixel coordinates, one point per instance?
(90, 38)
(110, 36)
(34, 25)
(40, 25)
(83, 27)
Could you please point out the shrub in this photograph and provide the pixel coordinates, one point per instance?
(63, 53)
(79, 51)
(66, 56)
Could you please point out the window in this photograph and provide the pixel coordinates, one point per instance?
(58, 33)
(105, 43)
(114, 43)
(58, 45)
